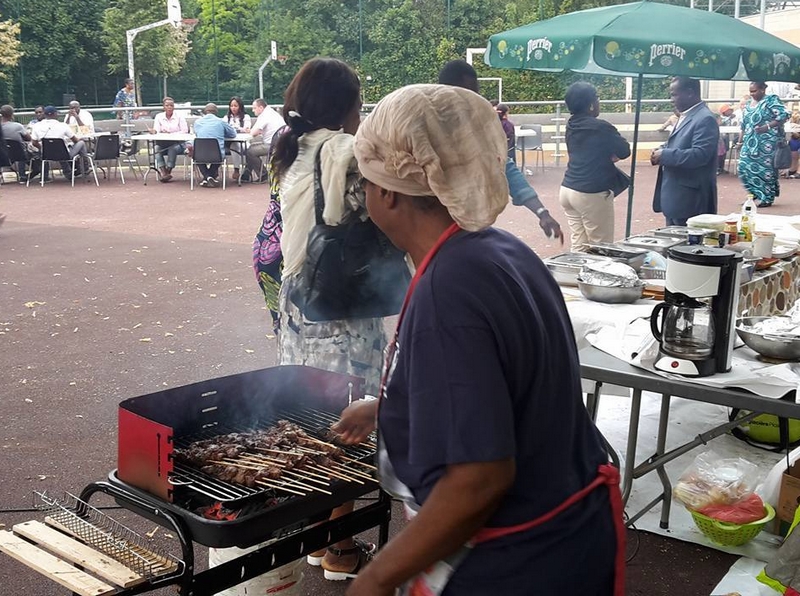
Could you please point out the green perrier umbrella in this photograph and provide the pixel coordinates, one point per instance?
(646, 39)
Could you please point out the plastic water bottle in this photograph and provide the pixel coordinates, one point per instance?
(748, 221)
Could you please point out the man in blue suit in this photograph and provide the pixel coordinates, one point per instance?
(687, 173)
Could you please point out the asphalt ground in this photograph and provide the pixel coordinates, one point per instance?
(111, 292)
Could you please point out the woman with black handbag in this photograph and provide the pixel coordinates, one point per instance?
(322, 109)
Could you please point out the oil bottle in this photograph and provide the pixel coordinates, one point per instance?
(747, 223)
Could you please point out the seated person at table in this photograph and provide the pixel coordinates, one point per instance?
(14, 131)
(268, 122)
(38, 116)
(51, 128)
(81, 119)
(168, 121)
(211, 127)
(240, 120)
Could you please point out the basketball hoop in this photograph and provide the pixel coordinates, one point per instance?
(282, 59)
(189, 24)
(174, 12)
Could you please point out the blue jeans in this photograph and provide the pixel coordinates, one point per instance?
(172, 148)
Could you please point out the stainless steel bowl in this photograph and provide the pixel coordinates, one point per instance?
(780, 347)
(611, 294)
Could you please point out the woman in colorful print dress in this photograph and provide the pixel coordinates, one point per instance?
(762, 126)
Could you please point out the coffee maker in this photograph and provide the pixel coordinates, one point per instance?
(701, 300)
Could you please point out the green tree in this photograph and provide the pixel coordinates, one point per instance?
(159, 52)
(10, 52)
(61, 48)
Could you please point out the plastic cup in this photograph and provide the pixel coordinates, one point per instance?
(695, 237)
(762, 244)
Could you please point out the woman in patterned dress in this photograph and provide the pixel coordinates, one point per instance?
(322, 109)
(762, 126)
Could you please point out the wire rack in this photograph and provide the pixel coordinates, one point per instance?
(82, 521)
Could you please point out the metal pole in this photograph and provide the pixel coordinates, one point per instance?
(21, 67)
(360, 33)
(558, 135)
(261, 76)
(448, 16)
(710, 5)
(763, 14)
(737, 5)
(216, 48)
(130, 35)
(629, 215)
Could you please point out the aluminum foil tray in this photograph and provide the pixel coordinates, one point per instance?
(659, 244)
(677, 231)
(629, 255)
(566, 267)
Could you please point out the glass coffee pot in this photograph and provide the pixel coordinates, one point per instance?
(687, 329)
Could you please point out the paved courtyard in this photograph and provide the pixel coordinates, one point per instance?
(112, 292)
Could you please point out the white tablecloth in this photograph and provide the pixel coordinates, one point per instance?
(623, 330)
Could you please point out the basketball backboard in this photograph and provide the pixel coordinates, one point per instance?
(174, 12)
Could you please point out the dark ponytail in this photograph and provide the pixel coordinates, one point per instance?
(321, 95)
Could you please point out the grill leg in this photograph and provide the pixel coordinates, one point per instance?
(133, 503)
(294, 546)
(383, 529)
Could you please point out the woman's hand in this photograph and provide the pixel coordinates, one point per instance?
(762, 129)
(357, 421)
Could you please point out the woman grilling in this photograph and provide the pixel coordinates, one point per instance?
(482, 429)
(762, 124)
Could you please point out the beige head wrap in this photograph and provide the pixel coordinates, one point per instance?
(442, 141)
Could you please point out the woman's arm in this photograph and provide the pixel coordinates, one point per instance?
(459, 505)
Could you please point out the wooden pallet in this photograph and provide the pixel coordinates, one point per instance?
(68, 561)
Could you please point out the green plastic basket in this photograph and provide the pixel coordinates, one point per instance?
(727, 534)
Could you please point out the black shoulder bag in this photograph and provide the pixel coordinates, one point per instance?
(351, 271)
(782, 158)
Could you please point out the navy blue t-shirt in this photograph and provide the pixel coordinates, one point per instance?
(487, 369)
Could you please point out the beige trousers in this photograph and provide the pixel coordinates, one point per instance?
(590, 216)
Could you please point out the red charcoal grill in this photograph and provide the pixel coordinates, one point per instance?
(151, 483)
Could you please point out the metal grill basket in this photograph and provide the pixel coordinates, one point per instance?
(82, 521)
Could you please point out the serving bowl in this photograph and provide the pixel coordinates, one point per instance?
(610, 294)
(780, 347)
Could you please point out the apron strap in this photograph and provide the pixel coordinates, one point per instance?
(606, 475)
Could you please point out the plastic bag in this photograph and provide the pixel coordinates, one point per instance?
(714, 480)
(748, 510)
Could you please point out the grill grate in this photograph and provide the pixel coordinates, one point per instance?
(104, 534)
(313, 421)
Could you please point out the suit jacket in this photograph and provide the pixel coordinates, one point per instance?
(687, 173)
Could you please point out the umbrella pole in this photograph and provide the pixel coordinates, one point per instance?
(633, 153)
